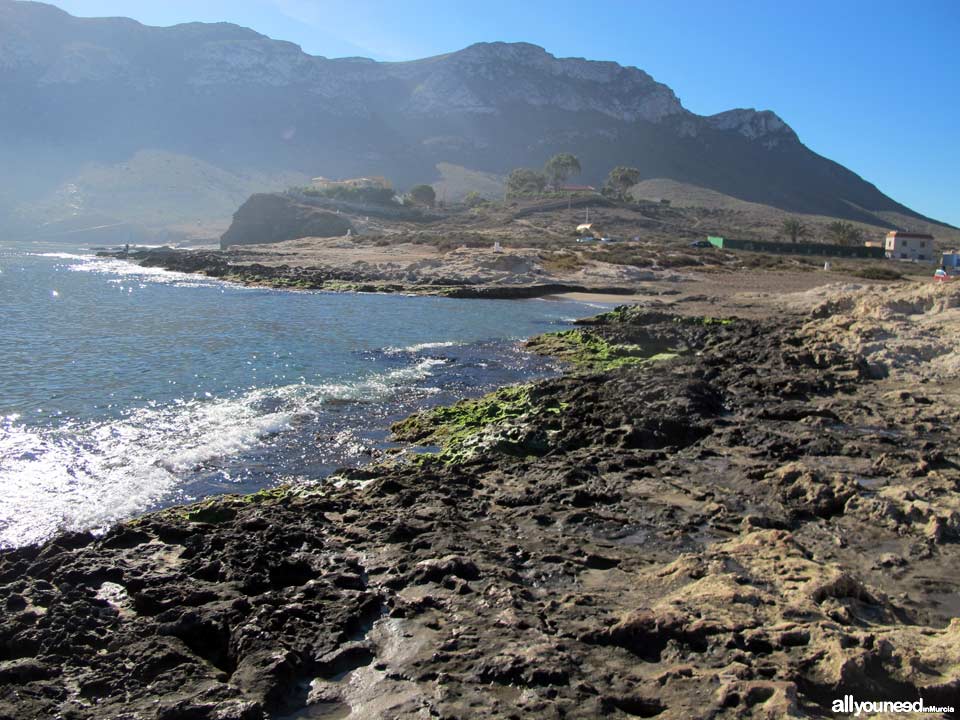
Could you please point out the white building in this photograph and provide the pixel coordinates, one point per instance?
(909, 246)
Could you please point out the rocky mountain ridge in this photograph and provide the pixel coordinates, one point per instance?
(101, 90)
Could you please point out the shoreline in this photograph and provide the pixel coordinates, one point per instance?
(215, 265)
(721, 527)
(268, 424)
(702, 516)
(697, 293)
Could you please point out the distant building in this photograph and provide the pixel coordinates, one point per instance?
(951, 259)
(377, 181)
(908, 246)
(577, 188)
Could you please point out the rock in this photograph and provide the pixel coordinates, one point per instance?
(436, 569)
(271, 218)
(684, 544)
(25, 670)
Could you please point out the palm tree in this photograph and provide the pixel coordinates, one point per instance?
(844, 233)
(794, 228)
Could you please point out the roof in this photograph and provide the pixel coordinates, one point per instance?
(901, 234)
(577, 187)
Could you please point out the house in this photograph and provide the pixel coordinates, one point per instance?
(908, 246)
(577, 188)
(951, 259)
(377, 182)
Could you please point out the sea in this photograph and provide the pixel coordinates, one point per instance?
(126, 389)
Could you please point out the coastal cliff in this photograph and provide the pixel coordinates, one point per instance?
(703, 517)
(272, 218)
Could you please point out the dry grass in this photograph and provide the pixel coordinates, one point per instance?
(561, 262)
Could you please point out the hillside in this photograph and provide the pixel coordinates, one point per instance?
(726, 215)
(240, 112)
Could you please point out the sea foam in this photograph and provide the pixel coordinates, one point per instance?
(90, 475)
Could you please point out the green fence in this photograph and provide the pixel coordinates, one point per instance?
(788, 248)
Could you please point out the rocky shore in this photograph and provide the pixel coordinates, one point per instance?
(705, 517)
(476, 275)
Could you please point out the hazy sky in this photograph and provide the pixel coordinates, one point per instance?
(872, 84)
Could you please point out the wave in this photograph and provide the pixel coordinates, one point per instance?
(61, 255)
(91, 475)
(420, 347)
(132, 271)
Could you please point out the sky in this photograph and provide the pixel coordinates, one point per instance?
(871, 84)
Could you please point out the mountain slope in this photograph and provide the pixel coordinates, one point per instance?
(99, 91)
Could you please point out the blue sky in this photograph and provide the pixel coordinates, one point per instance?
(872, 84)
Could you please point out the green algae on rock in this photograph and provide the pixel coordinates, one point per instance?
(639, 315)
(501, 420)
(591, 351)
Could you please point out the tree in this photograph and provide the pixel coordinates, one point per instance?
(844, 233)
(561, 167)
(473, 199)
(794, 228)
(423, 195)
(524, 181)
(620, 180)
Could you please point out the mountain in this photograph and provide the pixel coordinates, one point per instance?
(178, 124)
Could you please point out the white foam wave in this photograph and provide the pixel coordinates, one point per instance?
(122, 268)
(61, 255)
(91, 475)
(419, 347)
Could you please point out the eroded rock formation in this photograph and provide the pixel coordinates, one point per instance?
(751, 525)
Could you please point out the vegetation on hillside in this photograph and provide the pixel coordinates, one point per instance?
(620, 180)
(560, 168)
(423, 195)
(363, 195)
(523, 182)
(473, 199)
(794, 229)
(842, 232)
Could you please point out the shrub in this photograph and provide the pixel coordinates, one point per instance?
(877, 273)
(473, 199)
(524, 181)
(370, 195)
(423, 195)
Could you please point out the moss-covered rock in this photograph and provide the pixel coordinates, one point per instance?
(212, 512)
(591, 351)
(512, 420)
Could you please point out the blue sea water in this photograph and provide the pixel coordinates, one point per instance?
(125, 389)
